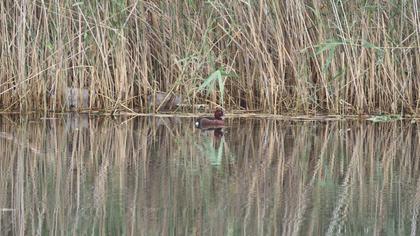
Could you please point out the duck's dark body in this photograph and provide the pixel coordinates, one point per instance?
(209, 123)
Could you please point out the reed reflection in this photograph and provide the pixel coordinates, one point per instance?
(148, 176)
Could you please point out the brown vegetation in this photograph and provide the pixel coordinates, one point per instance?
(305, 56)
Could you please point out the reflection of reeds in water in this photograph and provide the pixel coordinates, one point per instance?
(149, 176)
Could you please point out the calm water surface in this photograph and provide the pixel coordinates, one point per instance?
(79, 175)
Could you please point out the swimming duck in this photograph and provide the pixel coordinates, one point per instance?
(211, 123)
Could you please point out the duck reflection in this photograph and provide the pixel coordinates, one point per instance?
(213, 145)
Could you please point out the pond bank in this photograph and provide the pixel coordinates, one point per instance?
(233, 114)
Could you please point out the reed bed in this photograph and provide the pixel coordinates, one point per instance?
(306, 56)
(154, 176)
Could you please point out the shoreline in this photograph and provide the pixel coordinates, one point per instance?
(232, 115)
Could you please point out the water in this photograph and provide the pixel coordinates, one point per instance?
(79, 175)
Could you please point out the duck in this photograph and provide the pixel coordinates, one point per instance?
(211, 123)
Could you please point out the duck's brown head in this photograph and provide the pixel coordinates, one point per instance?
(218, 114)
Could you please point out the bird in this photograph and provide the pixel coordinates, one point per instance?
(210, 122)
